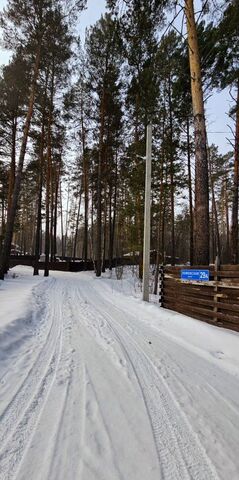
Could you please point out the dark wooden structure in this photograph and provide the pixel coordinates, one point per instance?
(65, 266)
(215, 302)
(70, 266)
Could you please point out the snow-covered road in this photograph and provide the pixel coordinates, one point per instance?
(96, 385)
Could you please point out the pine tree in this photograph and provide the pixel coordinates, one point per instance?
(201, 163)
(103, 48)
(226, 74)
(26, 27)
(13, 92)
(17, 26)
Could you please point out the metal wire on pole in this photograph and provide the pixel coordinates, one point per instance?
(147, 214)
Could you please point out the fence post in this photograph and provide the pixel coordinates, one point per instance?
(216, 278)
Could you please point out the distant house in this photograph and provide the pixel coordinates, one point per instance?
(15, 249)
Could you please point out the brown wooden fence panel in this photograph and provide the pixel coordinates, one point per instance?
(215, 302)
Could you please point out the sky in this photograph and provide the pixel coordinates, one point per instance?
(217, 106)
(95, 9)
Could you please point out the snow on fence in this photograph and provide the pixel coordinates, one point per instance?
(215, 302)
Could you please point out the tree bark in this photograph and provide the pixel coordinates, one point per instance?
(39, 206)
(214, 208)
(201, 163)
(227, 223)
(56, 212)
(86, 190)
(113, 221)
(77, 228)
(48, 180)
(159, 236)
(49, 173)
(160, 229)
(62, 227)
(171, 177)
(12, 172)
(52, 207)
(191, 239)
(38, 229)
(41, 165)
(234, 227)
(105, 229)
(66, 221)
(99, 190)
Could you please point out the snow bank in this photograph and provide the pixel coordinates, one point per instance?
(17, 318)
(219, 345)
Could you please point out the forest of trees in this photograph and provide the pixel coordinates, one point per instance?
(73, 121)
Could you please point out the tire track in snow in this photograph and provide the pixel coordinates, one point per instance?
(211, 390)
(20, 418)
(54, 450)
(21, 397)
(174, 368)
(180, 452)
(198, 390)
(212, 430)
(106, 429)
(71, 420)
(105, 442)
(53, 470)
(168, 366)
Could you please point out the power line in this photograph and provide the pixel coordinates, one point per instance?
(202, 11)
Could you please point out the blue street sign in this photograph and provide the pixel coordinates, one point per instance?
(195, 275)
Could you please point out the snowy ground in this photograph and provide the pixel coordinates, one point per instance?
(97, 385)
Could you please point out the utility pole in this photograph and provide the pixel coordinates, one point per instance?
(147, 214)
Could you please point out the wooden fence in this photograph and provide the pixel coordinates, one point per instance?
(66, 266)
(215, 302)
(69, 265)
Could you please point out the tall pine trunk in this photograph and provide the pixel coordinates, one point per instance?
(52, 209)
(191, 234)
(227, 223)
(99, 189)
(234, 227)
(86, 190)
(201, 163)
(38, 229)
(214, 209)
(171, 176)
(110, 221)
(113, 220)
(62, 226)
(54, 240)
(12, 172)
(77, 228)
(67, 222)
(39, 204)
(2, 221)
(160, 229)
(105, 229)
(49, 173)
(159, 256)
(48, 186)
